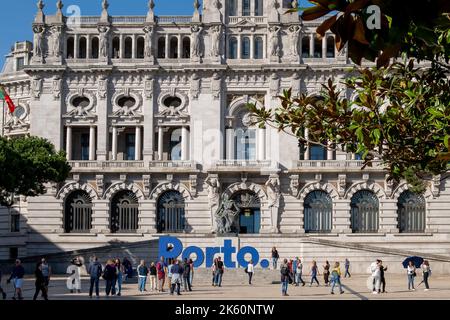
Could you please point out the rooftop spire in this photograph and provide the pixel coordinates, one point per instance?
(196, 17)
(105, 15)
(40, 14)
(151, 13)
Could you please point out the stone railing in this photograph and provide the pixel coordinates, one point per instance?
(129, 19)
(244, 163)
(337, 164)
(173, 19)
(105, 165)
(173, 164)
(87, 20)
(254, 19)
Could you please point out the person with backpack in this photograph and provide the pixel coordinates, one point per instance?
(95, 272)
(336, 278)
(250, 271)
(284, 270)
(314, 273)
(275, 257)
(161, 268)
(298, 273)
(40, 283)
(187, 275)
(3, 293)
(177, 272)
(17, 275)
(142, 272)
(110, 276)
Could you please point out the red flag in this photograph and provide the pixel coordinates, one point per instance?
(4, 96)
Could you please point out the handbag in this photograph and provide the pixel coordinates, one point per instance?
(414, 274)
(246, 270)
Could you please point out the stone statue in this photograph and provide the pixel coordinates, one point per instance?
(275, 49)
(103, 41)
(56, 49)
(226, 215)
(274, 195)
(216, 36)
(213, 196)
(148, 41)
(294, 37)
(195, 41)
(39, 41)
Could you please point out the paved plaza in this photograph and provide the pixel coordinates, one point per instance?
(355, 289)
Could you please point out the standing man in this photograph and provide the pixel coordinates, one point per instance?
(187, 275)
(275, 257)
(17, 275)
(95, 272)
(299, 273)
(46, 272)
(161, 268)
(177, 272)
(284, 278)
(250, 272)
(153, 277)
(142, 272)
(382, 278)
(347, 267)
(219, 272)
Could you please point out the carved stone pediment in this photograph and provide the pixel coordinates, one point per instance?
(81, 106)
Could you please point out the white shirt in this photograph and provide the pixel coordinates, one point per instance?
(411, 269)
(250, 268)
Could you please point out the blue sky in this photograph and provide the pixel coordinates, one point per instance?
(16, 16)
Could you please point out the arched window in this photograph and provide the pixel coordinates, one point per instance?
(70, 48)
(173, 52)
(317, 47)
(245, 137)
(232, 7)
(116, 48)
(233, 48)
(259, 48)
(82, 48)
(249, 216)
(128, 54)
(245, 7)
(306, 42)
(140, 48)
(411, 212)
(364, 212)
(94, 48)
(78, 212)
(259, 8)
(245, 48)
(124, 212)
(162, 48)
(318, 211)
(186, 48)
(171, 215)
(330, 47)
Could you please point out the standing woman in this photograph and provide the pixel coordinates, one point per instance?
(213, 269)
(336, 278)
(191, 279)
(275, 257)
(314, 273)
(169, 273)
(110, 277)
(426, 270)
(326, 273)
(17, 275)
(250, 271)
(411, 272)
(120, 272)
(41, 283)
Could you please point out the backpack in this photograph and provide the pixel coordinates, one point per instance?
(284, 270)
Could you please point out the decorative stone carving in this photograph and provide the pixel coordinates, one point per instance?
(148, 51)
(102, 86)
(294, 38)
(56, 45)
(275, 82)
(388, 186)
(126, 110)
(149, 87)
(216, 85)
(39, 46)
(146, 182)
(275, 47)
(195, 86)
(57, 87)
(193, 184)
(19, 120)
(173, 111)
(318, 177)
(81, 112)
(436, 186)
(366, 177)
(103, 31)
(342, 184)
(100, 185)
(296, 85)
(216, 37)
(37, 87)
(294, 185)
(274, 196)
(225, 215)
(196, 31)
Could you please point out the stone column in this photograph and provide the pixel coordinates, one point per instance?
(114, 143)
(167, 46)
(311, 45)
(230, 144)
(160, 143)
(330, 153)
(180, 46)
(69, 143)
(261, 144)
(239, 48)
(137, 155)
(133, 47)
(92, 142)
(324, 47)
(306, 144)
(76, 46)
(252, 46)
(88, 47)
(121, 47)
(184, 144)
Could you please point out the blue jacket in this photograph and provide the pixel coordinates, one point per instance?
(142, 271)
(176, 268)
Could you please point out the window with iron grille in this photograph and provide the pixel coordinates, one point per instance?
(78, 213)
(124, 212)
(171, 214)
(364, 212)
(411, 212)
(318, 212)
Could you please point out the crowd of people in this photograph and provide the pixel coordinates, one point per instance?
(175, 275)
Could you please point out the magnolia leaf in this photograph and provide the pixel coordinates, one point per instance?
(314, 13)
(326, 25)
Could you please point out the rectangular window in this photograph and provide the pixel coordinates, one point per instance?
(245, 143)
(245, 7)
(15, 222)
(232, 7)
(130, 146)
(84, 147)
(259, 8)
(13, 253)
(318, 153)
(287, 4)
(20, 63)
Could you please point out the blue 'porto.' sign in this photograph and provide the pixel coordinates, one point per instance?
(172, 248)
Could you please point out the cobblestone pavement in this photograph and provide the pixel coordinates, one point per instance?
(356, 288)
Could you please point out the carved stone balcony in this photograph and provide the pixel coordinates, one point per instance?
(244, 166)
(335, 166)
(251, 19)
(133, 166)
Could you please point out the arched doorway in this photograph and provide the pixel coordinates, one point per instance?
(250, 212)
(171, 214)
(124, 212)
(78, 212)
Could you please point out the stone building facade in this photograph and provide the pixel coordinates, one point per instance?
(151, 111)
